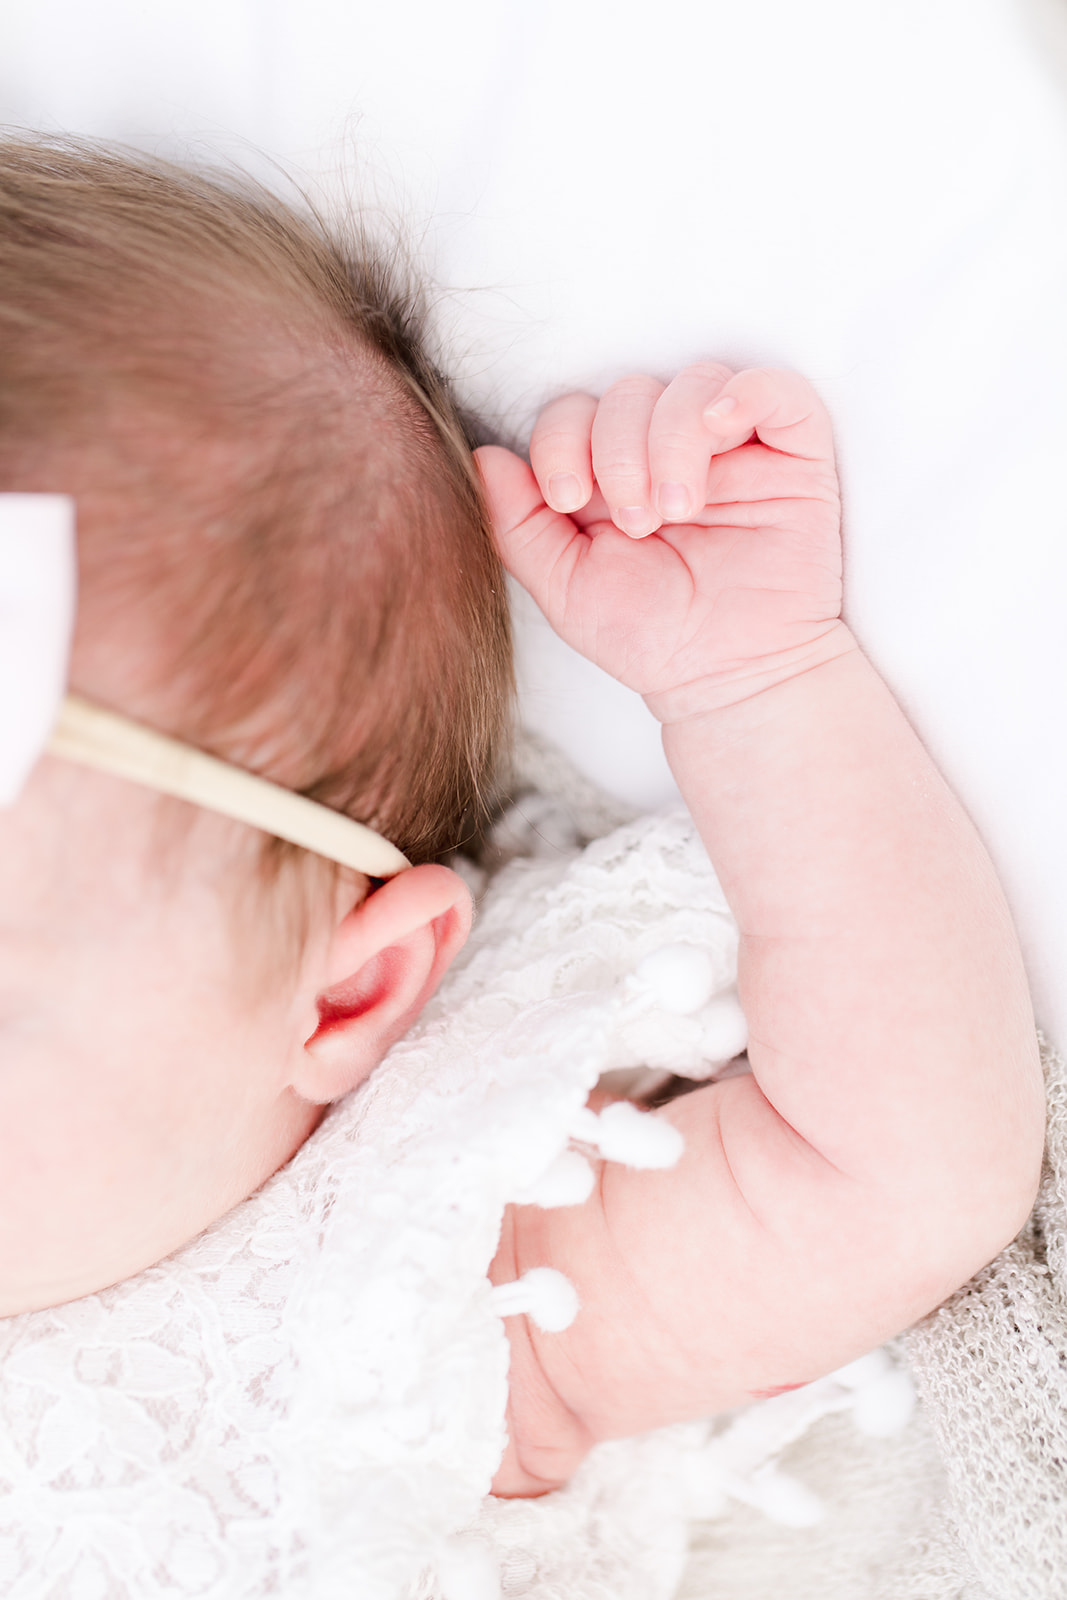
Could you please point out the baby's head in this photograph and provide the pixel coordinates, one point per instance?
(283, 560)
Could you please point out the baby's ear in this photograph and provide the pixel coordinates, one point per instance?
(386, 959)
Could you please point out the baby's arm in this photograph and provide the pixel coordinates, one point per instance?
(888, 1140)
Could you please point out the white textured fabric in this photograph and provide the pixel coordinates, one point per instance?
(309, 1399)
(992, 1367)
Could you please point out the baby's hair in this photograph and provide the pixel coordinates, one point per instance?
(285, 557)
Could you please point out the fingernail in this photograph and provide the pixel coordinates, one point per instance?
(564, 492)
(673, 500)
(721, 408)
(634, 520)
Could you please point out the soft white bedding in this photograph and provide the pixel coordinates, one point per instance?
(308, 1399)
(874, 193)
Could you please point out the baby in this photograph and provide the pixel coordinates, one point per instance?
(284, 561)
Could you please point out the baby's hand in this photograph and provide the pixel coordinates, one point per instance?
(685, 538)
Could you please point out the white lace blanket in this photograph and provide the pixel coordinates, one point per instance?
(309, 1399)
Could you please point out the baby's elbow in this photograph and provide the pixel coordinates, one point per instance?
(990, 1193)
(1021, 1190)
(1018, 1160)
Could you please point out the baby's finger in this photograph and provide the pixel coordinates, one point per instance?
(679, 444)
(781, 408)
(537, 545)
(620, 453)
(560, 451)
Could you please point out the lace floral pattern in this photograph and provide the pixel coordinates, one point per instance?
(308, 1400)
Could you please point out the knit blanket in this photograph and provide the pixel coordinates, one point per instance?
(309, 1399)
(968, 1501)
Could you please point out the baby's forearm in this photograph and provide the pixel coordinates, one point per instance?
(888, 1010)
(880, 973)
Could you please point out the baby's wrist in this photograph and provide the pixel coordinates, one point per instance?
(734, 683)
(546, 1441)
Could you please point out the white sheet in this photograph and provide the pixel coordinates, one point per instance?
(872, 192)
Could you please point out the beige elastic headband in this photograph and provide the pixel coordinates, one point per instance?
(96, 738)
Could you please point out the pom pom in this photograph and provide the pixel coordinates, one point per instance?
(567, 1182)
(865, 1369)
(544, 1295)
(682, 976)
(637, 1139)
(723, 1028)
(885, 1406)
(884, 1394)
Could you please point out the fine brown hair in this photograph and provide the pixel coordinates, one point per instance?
(284, 553)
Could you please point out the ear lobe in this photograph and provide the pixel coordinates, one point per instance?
(386, 959)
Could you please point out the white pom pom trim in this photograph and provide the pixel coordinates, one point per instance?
(865, 1369)
(567, 1182)
(544, 1295)
(634, 1138)
(682, 977)
(723, 1028)
(886, 1406)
